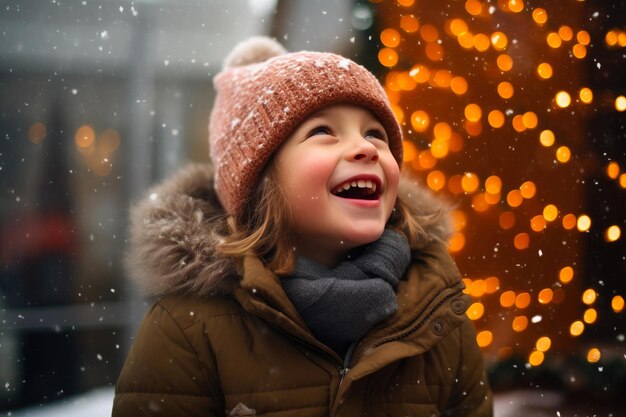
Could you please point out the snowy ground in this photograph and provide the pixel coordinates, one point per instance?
(97, 403)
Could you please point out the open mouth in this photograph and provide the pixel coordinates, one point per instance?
(359, 189)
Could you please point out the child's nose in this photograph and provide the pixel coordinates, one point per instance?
(364, 151)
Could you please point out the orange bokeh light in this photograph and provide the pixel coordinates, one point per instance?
(495, 118)
(507, 220)
(545, 296)
(390, 37)
(536, 358)
(583, 37)
(434, 51)
(579, 51)
(429, 33)
(520, 323)
(540, 16)
(612, 170)
(505, 90)
(538, 223)
(554, 40)
(458, 85)
(388, 57)
(409, 23)
(436, 180)
(576, 328)
(37, 133)
(550, 212)
(569, 221)
(518, 123)
(85, 136)
(562, 99)
(514, 198)
(470, 182)
(590, 316)
(617, 303)
(475, 311)
(458, 27)
(543, 344)
(586, 95)
(594, 355)
(420, 120)
(521, 241)
(420, 73)
(484, 338)
(566, 33)
(507, 299)
(473, 7)
(516, 6)
(473, 112)
(499, 40)
(566, 274)
(522, 300)
(563, 154)
(530, 120)
(544, 70)
(504, 62)
(493, 184)
(528, 189)
(481, 42)
(546, 138)
(589, 296)
(456, 242)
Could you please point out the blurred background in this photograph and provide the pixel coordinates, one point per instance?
(512, 109)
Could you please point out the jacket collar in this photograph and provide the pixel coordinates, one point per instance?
(430, 305)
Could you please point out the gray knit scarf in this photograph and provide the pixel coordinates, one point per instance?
(340, 305)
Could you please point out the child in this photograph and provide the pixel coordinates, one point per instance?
(299, 276)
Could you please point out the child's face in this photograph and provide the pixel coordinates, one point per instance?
(339, 147)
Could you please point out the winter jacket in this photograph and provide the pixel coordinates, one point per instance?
(224, 339)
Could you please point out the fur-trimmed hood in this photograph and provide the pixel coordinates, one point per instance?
(174, 233)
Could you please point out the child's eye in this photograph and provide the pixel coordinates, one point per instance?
(319, 130)
(375, 134)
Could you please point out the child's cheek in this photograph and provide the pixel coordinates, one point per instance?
(393, 177)
(311, 176)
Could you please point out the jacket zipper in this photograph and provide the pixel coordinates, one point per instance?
(343, 371)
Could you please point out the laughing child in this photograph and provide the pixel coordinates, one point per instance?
(299, 274)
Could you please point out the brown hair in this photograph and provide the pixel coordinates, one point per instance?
(262, 226)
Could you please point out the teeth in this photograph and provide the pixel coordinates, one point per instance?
(359, 183)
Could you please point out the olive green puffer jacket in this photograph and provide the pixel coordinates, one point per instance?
(238, 347)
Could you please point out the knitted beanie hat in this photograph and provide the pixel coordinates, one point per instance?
(264, 93)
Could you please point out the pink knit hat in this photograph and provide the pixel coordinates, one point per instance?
(264, 93)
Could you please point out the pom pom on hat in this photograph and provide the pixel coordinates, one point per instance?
(253, 50)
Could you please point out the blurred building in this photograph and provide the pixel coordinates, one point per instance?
(99, 101)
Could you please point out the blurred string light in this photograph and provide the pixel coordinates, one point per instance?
(97, 153)
(37, 133)
(428, 70)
